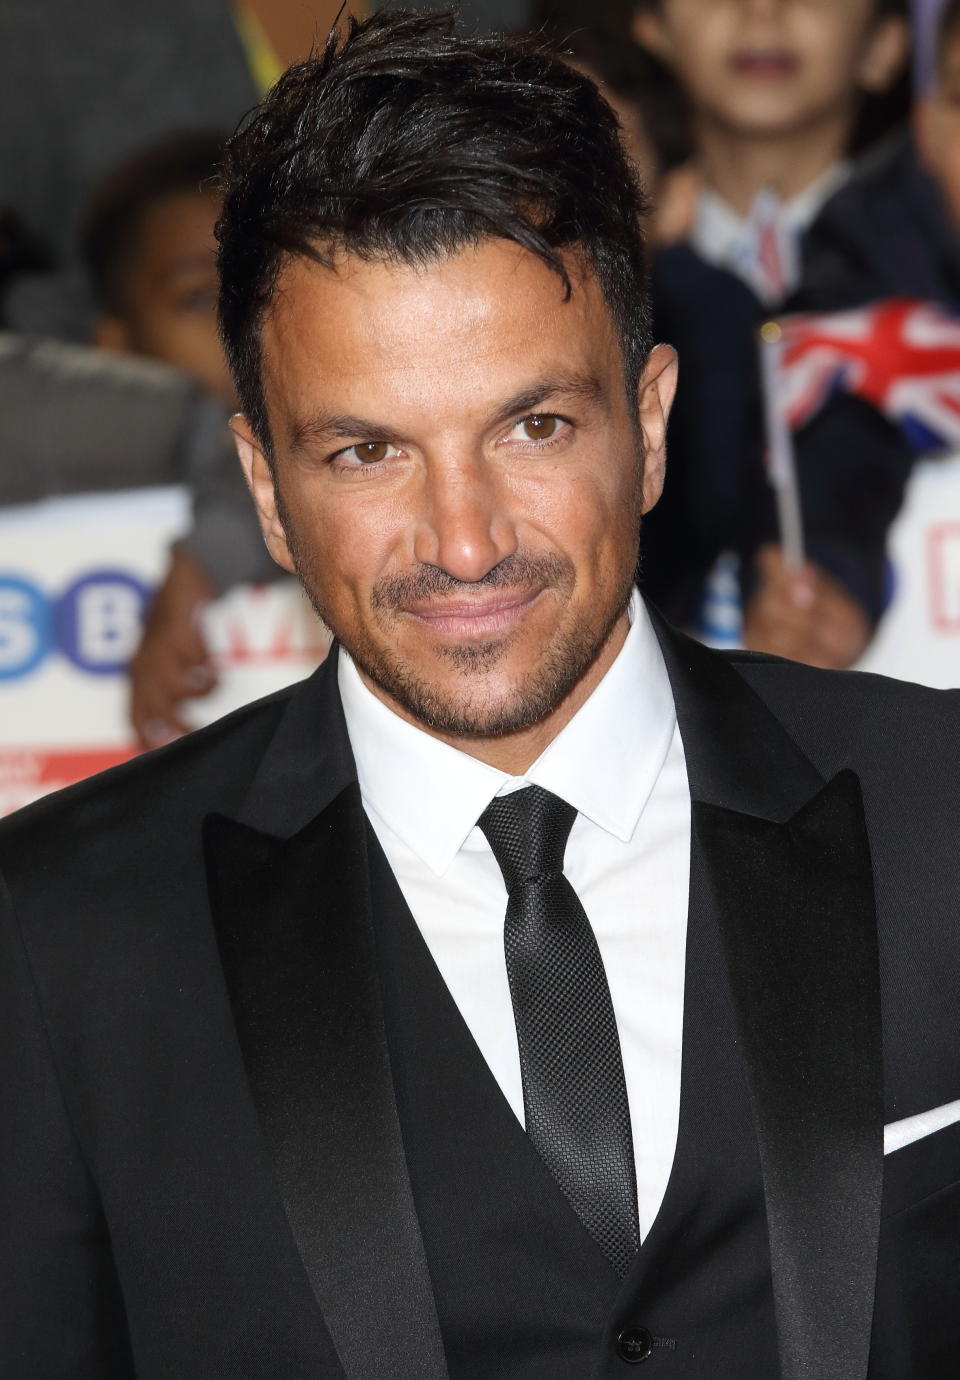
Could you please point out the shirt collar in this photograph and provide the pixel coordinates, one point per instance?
(721, 236)
(604, 762)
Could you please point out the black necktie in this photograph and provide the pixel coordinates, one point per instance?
(574, 1092)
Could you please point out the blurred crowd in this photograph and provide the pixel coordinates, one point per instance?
(799, 156)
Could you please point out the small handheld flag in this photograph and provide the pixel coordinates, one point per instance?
(901, 355)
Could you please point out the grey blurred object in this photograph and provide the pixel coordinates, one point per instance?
(84, 83)
(75, 419)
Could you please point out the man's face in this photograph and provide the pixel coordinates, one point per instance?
(771, 67)
(458, 469)
(171, 293)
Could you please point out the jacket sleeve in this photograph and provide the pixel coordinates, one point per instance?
(61, 1314)
(75, 419)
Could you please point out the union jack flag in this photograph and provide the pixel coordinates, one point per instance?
(901, 355)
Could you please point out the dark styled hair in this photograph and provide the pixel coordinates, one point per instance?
(404, 141)
(110, 233)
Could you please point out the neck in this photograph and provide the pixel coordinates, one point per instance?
(737, 168)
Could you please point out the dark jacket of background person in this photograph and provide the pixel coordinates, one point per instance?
(82, 85)
(883, 234)
(74, 419)
(246, 1132)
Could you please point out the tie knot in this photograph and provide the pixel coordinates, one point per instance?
(527, 831)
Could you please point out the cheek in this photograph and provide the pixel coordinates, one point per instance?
(346, 540)
(591, 518)
(945, 152)
(830, 51)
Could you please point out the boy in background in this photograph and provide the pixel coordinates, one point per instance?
(776, 90)
(150, 253)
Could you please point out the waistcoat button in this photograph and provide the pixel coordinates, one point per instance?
(634, 1344)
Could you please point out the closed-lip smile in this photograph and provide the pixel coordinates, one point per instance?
(479, 615)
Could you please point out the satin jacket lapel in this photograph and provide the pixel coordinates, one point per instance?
(788, 864)
(292, 916)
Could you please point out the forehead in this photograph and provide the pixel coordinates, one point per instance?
(462, 331)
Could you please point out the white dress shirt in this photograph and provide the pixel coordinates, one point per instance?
(620, 762)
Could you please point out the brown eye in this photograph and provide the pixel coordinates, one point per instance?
(372, 451)
(540, 428)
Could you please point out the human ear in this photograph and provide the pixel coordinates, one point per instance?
(887, 49)
(655, 392)
(262, 486)
(650, 32)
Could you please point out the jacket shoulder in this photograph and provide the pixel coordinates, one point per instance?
(881, 727)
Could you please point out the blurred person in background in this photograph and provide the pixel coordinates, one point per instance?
(777, 90)
(890, 232)
(86, 83)
(150, 252)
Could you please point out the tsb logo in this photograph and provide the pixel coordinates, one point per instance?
(95, 623)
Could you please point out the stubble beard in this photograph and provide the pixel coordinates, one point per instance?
(562, 663)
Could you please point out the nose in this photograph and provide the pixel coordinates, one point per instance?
(465, 526)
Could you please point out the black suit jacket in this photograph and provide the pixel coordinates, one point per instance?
(201, 1169)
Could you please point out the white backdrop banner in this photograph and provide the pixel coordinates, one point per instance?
(76, 576)
(919, 635)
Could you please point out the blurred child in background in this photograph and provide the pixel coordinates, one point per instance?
(777, 90)
(150, 252)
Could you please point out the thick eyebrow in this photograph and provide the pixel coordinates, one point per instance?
(581, 387)
(325, 427)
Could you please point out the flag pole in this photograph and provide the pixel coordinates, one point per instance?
(781, 462)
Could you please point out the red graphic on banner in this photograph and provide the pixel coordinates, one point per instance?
(26, 774)
(943, 565)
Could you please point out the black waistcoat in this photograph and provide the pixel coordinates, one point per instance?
(522, 1290)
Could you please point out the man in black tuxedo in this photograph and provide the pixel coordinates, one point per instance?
(532, 992)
